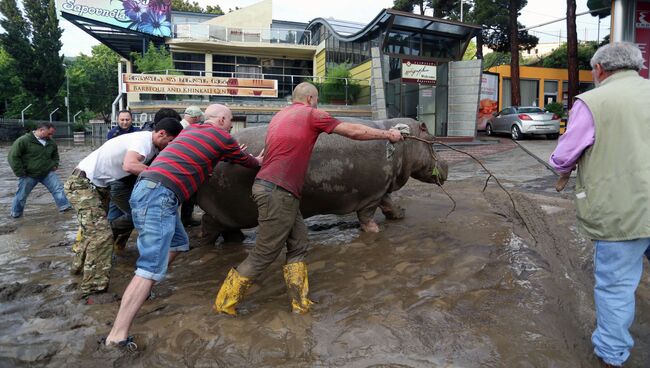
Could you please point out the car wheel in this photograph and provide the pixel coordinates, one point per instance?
(516, 133)
(488, 130)
(553, 136)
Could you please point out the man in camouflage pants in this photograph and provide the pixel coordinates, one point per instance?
(91, 253)
(88, 191)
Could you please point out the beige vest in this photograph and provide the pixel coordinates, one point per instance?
(613, 186)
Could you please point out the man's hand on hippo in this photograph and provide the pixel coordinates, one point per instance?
(394, 135)
(260, 157)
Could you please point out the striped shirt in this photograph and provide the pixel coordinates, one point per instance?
(189, 159)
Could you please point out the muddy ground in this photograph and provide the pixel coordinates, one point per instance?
(474, 289)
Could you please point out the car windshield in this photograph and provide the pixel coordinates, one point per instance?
(529, 110)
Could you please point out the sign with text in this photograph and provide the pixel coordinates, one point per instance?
(488, 100)
(190, 85)
(147, 16)
(642, 33)
(418, 71)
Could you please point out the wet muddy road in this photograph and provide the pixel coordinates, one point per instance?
(474, 289)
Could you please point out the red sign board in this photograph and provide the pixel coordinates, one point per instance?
(642, 33)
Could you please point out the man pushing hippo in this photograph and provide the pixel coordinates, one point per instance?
(290, 140)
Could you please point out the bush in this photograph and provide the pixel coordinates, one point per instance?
(333, 89)
(79, 127)
(555, 108)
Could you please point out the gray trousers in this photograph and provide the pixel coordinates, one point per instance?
(280, 224)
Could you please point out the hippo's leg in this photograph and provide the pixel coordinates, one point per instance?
(366, 218)
(390, 209)
(210, 230)
(233, 236)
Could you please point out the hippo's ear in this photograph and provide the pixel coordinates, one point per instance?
(423, 127)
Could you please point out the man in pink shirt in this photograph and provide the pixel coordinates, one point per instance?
(277, 190)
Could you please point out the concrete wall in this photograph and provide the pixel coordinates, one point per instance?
(259, 16)
(464, 88)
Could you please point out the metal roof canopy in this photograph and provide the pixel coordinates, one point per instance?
(121, 40)
(399, 20)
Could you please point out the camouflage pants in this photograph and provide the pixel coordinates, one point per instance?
(94, 252)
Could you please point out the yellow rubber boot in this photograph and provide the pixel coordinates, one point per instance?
(231, 292)
(295, 276)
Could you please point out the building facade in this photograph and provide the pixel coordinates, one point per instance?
(398, 65)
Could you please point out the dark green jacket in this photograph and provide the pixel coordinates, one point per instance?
(28, 157)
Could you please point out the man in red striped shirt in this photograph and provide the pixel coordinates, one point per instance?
(171, 179)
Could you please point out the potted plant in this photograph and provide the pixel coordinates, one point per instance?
(335, 90)
(79, 131)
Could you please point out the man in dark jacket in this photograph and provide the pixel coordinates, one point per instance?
(34, 158)
(124, 125)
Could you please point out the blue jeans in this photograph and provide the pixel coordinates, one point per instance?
(155, 215)
(617, 269)
(27, 183)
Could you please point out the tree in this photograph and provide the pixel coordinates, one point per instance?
(185, 5)
(34, 42)
(154, 59)
(408, 5)
(572, 51)
(494, 16)
(558, 58)
(94, 82)
(514, 53)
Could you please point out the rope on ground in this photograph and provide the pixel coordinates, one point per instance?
(490, 175)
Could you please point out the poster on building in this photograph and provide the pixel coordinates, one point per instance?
(191, 85)
(642, 33)
(418, 71)
(488, 100)
(147, 16)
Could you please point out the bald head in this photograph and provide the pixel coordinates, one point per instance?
(219, 116)
(306, 93)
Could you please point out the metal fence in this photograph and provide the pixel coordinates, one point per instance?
(10, 129)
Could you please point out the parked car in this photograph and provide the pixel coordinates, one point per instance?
(520, 121)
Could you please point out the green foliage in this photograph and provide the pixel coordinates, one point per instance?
(493, 15)
(555, 108)
(185, 5)
(441, 8)
(470, 52)
(79, 127)
(599, 4)
(33, 41)
(93, 83)
(333, 88)
(558, 58)
(154, 60)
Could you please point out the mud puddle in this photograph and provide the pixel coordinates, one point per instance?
(469, 290)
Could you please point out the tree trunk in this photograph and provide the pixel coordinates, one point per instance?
(515, 93)
(422, 7)
(572, 48)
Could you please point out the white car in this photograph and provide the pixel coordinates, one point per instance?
(524, 120)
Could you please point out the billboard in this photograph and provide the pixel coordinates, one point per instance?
(190, 85)
(418, 71)
(147, 16)
(642, 33)
(488, 99)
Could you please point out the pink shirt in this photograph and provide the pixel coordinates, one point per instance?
(580, 135)
(290, 140)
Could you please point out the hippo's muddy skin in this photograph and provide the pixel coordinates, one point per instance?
(344, 176)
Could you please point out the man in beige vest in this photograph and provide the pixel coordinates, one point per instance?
(608, 139)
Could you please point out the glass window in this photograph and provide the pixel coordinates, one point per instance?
(185, 56)
(529, 110)
(230, 59)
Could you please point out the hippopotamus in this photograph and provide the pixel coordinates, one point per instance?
(344, 176)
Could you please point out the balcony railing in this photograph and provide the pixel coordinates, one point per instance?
(233, 34)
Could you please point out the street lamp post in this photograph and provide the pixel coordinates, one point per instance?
(74, 118)
(461, 10)
(67, 92)
(22, 114)
(55, 110)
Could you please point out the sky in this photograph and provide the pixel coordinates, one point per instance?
(76, 41)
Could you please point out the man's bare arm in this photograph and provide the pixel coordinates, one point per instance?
(361, 132)
(133, 163)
